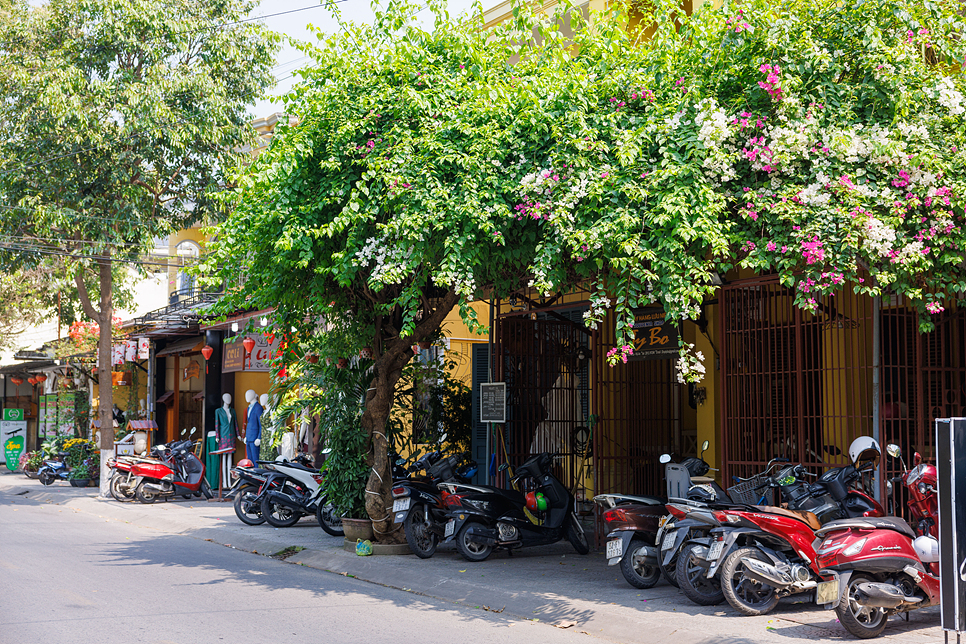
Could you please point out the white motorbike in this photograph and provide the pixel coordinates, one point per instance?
(298, 491)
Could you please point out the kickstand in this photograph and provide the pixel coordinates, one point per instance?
(907, 616)
(509, 551)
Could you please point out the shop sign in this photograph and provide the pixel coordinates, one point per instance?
(193, 370)
(655, 336)
(13, 414)
(493, 402)
(233, 357)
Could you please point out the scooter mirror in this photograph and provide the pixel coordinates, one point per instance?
(504, 467)
(704, 447)
(665, 458)
(917, 458)
(442, 438)
(326, 451)
(893, 450)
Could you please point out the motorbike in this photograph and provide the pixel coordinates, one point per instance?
(632, 524)
(418, 501)
(53, 470)
(769, 552)
(179, 474)
(881, 566)
(248, 488)
(689, 518)
(293, 490)
(483, 518)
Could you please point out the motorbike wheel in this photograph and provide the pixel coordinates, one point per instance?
(329, 519)
(277, 515)
(746, 595)
(206, 489)
(46, 477)
(248, 512)
(421, 539)
(637, 573)
(669, 572)
(118, 492)
(693, 580)
(144, 496)
(471, 550)
(862, 622)
(576, 535)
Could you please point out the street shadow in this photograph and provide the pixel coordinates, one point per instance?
(267, 574)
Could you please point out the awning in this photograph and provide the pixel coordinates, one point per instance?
(141, 424)
(188, 345)
(165, 397)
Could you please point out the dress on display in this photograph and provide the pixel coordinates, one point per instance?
(225, 426)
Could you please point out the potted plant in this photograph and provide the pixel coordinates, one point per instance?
(80, 476)
(30, 462)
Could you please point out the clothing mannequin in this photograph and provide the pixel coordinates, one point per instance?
(225, 426)
(253, 426)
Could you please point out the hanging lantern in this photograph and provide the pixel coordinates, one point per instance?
(206, 351)
(40, 377)
(249, 344)
(17, 380)
(32, 380)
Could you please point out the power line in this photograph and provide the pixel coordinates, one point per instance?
(232, 23)
(58, 253)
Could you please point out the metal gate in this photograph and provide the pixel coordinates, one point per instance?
(795, 384)
(801, 385)
(548, 391)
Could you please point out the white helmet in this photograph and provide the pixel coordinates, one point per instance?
(864, 448)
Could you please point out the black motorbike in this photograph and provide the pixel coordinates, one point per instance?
(483, 518)
(418, 501)
(248, 488)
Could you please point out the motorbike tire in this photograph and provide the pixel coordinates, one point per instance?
(421, 539)
(249, 513)
(637, 574)
(693, 580)
(576, 535)
(206, 489)
(745, 595)
(117, 492)
(861, 622)
(46, 477)
(471, 550)
(144, 496)
(329, 519)
(278, 516)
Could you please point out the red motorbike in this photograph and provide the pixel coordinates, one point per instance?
(182, 474)
(880, 566)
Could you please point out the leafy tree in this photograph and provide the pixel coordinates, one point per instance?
(821, 141)
(120, 120)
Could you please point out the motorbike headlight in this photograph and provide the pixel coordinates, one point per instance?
(855, 548)
(923, 488)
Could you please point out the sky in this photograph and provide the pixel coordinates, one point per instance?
(296, 16)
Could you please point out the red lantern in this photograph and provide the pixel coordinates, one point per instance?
(206, 351)
(32, 380)
(249, 344)
(17, 380)
(40, 377)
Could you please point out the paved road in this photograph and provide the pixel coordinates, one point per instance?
(550, 584)
(72, 577)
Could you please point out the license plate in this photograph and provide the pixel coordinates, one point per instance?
(827, 592)
(668, 542)
(615, 548)
(450, 528)
(715, 551)
(400, 504)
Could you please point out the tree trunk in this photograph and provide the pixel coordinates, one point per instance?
(105, 398)
(379, 400)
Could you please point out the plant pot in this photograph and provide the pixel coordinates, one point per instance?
(343, 363)
(356, 529)
(365, 353)
(424, 345)
(94, 483)
(79, 482)
(30, 474)
(311, 358)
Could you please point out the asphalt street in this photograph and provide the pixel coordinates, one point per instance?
(72, 577)
(189, 571)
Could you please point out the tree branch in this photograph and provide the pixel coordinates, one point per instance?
(85, 299)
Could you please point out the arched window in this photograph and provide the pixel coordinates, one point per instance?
(186, 251)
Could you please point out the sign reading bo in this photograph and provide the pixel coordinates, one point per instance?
(655, 337)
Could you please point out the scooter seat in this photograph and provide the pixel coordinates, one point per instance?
(297, 466)
(868, 523)
(518, 498)
(804, 516)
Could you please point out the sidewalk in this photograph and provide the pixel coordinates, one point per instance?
(550, 584)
